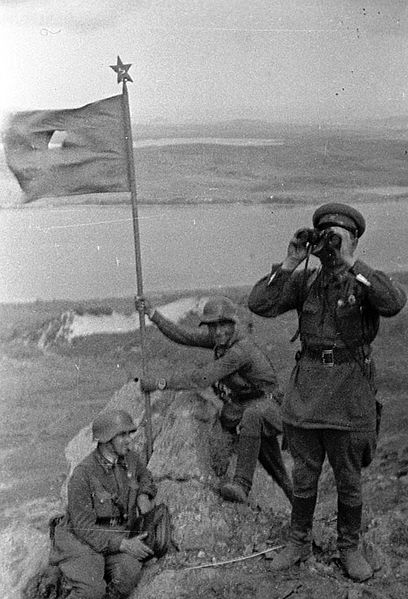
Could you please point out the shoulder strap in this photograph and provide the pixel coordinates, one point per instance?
(307, 283)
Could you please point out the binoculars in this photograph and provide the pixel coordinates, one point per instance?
(325, 239)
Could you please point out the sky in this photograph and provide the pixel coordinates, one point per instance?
(308, 61)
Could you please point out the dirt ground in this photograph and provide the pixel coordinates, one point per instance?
(48, 395)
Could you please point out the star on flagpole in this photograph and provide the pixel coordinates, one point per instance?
(122, 70)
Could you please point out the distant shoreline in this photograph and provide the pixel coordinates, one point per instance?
(290, 199)
(104, 306)
(216, 141)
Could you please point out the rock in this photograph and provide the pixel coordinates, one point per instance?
(402, 570)
(24, 551)
(183, 584)
(192, 457)
(24, 545)
(163, 585)
(402, 471)
(183, 463)
(377, 559)
(373, 594)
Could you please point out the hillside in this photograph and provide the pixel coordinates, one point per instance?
(365, 161)
(304, 169)
(49, 393)
(302, 164)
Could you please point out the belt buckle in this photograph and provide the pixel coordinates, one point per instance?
(328, 357)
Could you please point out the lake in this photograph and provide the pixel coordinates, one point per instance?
(82, 252)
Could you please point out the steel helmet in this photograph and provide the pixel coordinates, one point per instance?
(219, 309)
(109, 424)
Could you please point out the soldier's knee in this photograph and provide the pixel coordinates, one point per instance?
(85, 575)
(349, 492)
(305, 482)
(125, 574)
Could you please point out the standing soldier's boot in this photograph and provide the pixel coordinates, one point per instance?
(270, 457)
(247, 457)
(299, 547)
(348, 532)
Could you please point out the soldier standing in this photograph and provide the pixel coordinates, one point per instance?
(245, 380)
(330, 405)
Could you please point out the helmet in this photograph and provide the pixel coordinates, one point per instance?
(109, 424)
(219, 309)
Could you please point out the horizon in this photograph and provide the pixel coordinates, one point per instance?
(215, 120)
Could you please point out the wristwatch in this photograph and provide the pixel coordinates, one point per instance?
(161, 384)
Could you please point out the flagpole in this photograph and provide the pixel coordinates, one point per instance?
(123, 76)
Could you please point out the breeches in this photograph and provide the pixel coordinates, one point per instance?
(259, 423)
(89, 572)
(347, 453)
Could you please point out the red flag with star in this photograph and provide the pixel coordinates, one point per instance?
(89, 157)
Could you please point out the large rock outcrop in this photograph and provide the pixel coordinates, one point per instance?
(192, 456)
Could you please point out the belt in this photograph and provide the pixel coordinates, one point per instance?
(111, 521)
(245, 396)
(330, 357)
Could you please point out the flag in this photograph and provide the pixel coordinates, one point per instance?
(91, 157)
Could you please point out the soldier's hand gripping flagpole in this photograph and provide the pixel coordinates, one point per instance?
(122, 77)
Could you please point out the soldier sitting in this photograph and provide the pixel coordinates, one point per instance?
(106, 491)
(244, 378)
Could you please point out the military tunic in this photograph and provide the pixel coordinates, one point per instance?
(102, 502)
(333, 383)
(242, 367)
(330, 403)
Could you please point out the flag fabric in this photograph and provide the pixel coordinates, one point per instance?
(91, 157)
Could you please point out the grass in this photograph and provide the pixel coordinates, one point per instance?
(47, 397)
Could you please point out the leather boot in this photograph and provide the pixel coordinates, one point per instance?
(299, 547)
(271, 459)
(355, 565)
(348, 532)
(247, 457)
(234, 492)
(247, 450)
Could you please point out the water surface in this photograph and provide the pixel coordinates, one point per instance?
(83, 252)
